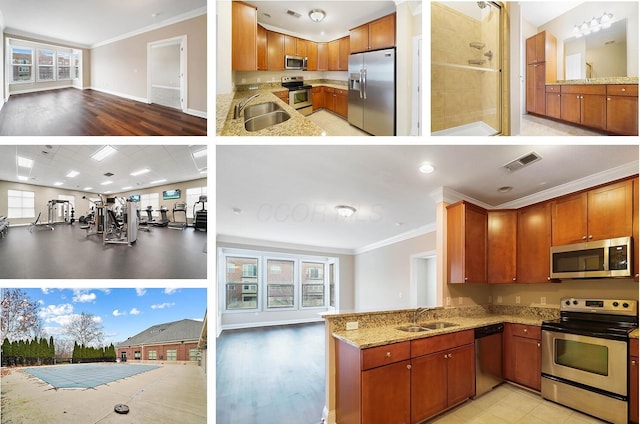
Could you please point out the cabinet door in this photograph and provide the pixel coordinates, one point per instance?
(569, 219)
(622, 115)
(570, 107)
(334, 55)
(301, 48)
(553, 105)
(527, 362)
(359, 39)
(275, 51)
(531, 50)
(343, 54)
(501, 246)
(539, 95)
(531, 88)
(342, 103)
(317, 98)
(461, 375)
(636, 235)
(428, 386)
(593, 110)
(386, 394)
(610, 211)
(466, 243)
(289, 45)
(633, 381)
(382, 32)
(534, 242)
(508, 355)
(540, 40)
(262, 48)
(323, 57)
(312, 56)
(330, 99)
(244, 25)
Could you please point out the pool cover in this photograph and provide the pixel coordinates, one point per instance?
(86, 375)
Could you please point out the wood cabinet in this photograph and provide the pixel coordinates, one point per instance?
(374, 35)
(261, 45)
(633, 381)
(317, 97)
(342, 102)
(584, 104)
(312, 56)
(635, 232)
(502, 229)
(244, 26)
(601, 213)
(552, 97)
(522, 354)
(323, 57)
(289, 45)
(622, 109)
(301, 47)
(330, 98)
(534, 243)
(275, 51)
(541, 69)
(339, 54)
(466, 243)
(373, 385)
(442, 373)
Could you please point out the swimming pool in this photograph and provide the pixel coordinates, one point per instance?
(86, 376)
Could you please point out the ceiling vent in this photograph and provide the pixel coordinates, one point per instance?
(523, 161)
(108, 174)
(294, 14)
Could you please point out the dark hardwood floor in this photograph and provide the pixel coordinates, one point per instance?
(271, 375)
(70, 111)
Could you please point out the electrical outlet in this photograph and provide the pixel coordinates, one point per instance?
(448, 301)
(543, 300)
(353, 325)
(499, 299)
(517, 300)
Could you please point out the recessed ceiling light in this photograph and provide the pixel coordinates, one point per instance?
(58, 183)
(23, 178)
(505, 189)
(106, 183)
(157, 181)
(127, 188)
(140, 172)
(346, 211)
(24, 162)
(427, 168)
(72, 174)
(88, 188)
(103, 153)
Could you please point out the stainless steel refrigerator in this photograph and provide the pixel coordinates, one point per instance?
(372, 91)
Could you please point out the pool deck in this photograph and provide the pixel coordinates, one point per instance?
(170, 393)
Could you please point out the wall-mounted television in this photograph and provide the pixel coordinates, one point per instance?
(135, 197)
(171, 194)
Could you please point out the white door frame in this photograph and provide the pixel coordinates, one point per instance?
(414, 276)
(416, 86)
(182, 40)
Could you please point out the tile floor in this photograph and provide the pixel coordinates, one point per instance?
(509, 404)
(534, 125)
(334, 125)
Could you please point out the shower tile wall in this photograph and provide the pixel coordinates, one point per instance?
(462, 96)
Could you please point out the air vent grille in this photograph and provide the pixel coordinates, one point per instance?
(522, 161)
(294, 14)
(108, 174)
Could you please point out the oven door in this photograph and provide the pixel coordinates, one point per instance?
(590, 361)
(299, 99)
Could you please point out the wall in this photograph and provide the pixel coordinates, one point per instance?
(182, 353)
(407, 26)
(121, 67)
(224, 78)
(562, 28)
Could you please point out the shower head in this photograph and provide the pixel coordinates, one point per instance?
(482, 4)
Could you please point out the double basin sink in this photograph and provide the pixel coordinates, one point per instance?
(426, 327)
(263, 115)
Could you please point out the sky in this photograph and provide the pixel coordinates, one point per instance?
(123, 312)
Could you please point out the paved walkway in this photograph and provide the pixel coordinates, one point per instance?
(170, 393)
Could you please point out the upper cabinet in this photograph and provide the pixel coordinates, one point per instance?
(636, 235)
(541, 69)
(378, 34)
(261, 42)
(534, 243)
(339, 54)
(244, 27)
(501, 246)
(323, 57)
(466, 243)
(541, 48)
(275, 51)
(601, 213)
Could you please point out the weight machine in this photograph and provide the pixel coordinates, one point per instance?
(200, 216)
(120, 231)
(179, 207)
(68, 214)
(94, 221)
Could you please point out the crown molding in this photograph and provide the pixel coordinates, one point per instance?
(425, 229)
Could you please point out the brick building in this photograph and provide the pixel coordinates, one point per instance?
(169, 342)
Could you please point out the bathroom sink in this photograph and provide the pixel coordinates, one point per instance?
(412, 329)
(260, 109)
(265, 120)
(438, 325)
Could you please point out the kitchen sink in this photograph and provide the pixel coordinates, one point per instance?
(260, 109)
(438, 325)
(263, 115)
(412, 329)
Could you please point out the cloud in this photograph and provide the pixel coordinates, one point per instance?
(162, 305)
(170, 291)
(117, 313)
(60, 314)
(141, 292)
(83, 296)
(134, 311)
(46, 291)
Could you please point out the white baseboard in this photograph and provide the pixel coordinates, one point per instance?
(198, 113)
(270, 323)
(124, 96)
(328, 417)
(35, 90)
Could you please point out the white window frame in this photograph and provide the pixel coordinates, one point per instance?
(68, 55)
(52, 66)
(13, 65)
(155, 355)
(258, 280)
(193, 195)
(172, 350)
(295, 282)
(324, 279)
(24, 204)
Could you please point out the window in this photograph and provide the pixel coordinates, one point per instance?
(64, 66)
(193, 195)
(22, 64)
(21, 204)
(280, 284)
(242, 283)
(136, 355)
(46, 63)
(76, 66)
(193, 354)
(172, 354)
(313, 286)
(153, 355)
(151, 199)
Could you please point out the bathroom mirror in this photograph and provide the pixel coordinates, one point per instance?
(597, 55)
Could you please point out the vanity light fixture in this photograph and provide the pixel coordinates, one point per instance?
(317, 15)
(345, 211)
(593, 25)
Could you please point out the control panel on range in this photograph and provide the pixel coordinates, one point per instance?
(603, 306)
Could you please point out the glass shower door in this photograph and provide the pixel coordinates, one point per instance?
(466, 60)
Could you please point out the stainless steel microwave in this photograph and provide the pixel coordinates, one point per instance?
(295, 62)
(592, 259)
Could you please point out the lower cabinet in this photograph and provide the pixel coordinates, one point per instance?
(622, 109)
(317, 97)
(522, 354)
(386, 393)
(633, 381)
(334, 99)
(283, 95)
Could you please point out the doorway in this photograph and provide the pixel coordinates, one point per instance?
(167, 72)
(424, 286)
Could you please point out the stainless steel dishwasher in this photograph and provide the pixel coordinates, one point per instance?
(488, 357)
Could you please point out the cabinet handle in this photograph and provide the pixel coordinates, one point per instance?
(633, 363)
(449, 355)
(623, 89)
(525, 330)
(590, 237)
(466, 278)
(388, 354)
(584, 237)
(538, 344)
(609, 99)
(513, 279)
(408, 366)
(445, 356)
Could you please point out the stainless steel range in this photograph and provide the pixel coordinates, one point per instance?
(299, 94)
(584, 356)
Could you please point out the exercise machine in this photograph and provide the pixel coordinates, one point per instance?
(4, 226)
(164, 221)
(120, 231)
(94, 221)
(200, 215)
(143, 224)
(52, 205)
(178, 207)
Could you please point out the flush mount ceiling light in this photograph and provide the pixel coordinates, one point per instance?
(316, 15)
(426, 168)
(505, 189)
(345, 211)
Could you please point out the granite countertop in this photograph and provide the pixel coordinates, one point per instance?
(379, 336)
(297, 125)
(326, 84)
(597, 81)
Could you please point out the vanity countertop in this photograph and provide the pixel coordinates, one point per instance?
(597, 81)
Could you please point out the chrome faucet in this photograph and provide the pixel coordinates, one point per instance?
(240, 105)
(417, 313)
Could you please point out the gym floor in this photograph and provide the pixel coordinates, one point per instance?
(67, 252)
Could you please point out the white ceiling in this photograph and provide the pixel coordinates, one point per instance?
(341, 16)
(539, 13)
(287, 194)
(170, 162)
(85, 23)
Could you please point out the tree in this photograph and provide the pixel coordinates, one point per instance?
(52, 351)
(85, 329)
(19, 316)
